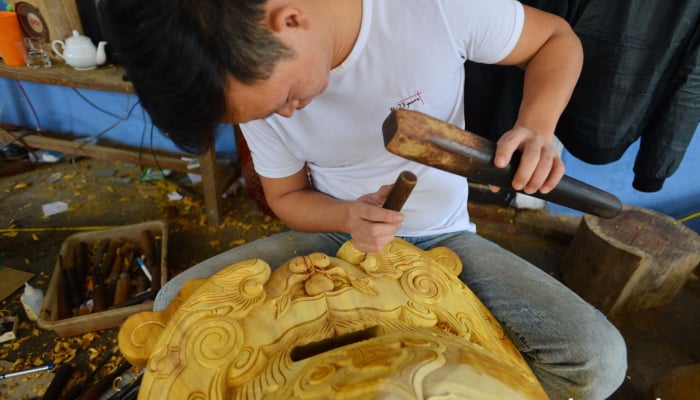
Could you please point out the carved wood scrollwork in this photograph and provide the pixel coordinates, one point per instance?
(397, 324)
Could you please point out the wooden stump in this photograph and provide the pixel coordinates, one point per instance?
(682, 383)
(637, 260)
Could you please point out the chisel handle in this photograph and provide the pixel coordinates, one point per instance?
(403, 187)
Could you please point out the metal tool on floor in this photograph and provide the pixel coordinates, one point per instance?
(8, 375)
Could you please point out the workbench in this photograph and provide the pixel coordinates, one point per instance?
(110, 78)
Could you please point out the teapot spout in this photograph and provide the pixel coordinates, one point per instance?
(101, 55)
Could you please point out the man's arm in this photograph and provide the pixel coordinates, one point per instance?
(552, 56)
(302, 208)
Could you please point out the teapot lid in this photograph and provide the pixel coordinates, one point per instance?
(77, 38)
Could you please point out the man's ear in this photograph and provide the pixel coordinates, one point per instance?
(287, 16)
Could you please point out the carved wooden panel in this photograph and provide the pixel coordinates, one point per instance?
(392, 325)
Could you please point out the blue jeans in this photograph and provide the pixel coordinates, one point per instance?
(574, 351)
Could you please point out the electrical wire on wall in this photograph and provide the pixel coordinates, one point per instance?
(34, 113)
(2, 103)
(95, 106)
(119, 118)
(127, 113)
(31, 105)
(143, 138)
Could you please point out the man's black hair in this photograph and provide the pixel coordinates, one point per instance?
(177, 54)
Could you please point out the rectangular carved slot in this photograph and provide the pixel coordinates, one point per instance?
(299, 353)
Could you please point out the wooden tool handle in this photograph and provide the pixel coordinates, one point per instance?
(70, 277)
(100, 298)
(61, 377)
(427, 140)
(121, 290)
(73, 286)
(99, 252)
(81, 263)
(403, 187)
(63, 298)
(107, 261)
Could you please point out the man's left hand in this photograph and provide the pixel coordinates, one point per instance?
(540, 167)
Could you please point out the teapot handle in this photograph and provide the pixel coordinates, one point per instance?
(58, 43)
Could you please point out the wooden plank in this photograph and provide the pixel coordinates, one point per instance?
(15, 167)
(101, 152)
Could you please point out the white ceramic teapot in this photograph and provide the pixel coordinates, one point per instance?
(79, 52)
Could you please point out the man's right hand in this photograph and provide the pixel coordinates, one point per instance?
(304, 209)
(369, 224)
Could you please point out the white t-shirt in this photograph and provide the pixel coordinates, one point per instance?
(409, 54)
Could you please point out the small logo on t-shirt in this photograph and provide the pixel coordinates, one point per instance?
(408, 102)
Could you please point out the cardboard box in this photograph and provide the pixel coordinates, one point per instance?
(12, 279)
(48, 317)
(51, 19)
(8, 328)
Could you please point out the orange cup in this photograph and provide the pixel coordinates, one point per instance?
(10, 36)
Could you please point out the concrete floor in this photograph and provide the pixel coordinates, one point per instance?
(102, 193)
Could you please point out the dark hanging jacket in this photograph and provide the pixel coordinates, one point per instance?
(640, 79)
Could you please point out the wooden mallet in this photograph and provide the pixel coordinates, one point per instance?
(430, 141)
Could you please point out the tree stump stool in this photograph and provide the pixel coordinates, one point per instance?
(637, 260)
(682, 383)
(392, 325)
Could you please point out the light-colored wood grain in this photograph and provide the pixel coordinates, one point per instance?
(396, 324)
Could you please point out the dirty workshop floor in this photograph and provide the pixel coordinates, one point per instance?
(104, 193)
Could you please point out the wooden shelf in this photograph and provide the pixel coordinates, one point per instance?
(106, 77)
(110, 78)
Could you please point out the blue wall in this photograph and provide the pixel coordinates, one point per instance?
(61, 109)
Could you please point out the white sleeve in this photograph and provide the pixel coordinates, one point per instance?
(271, 157)
(485, 31)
